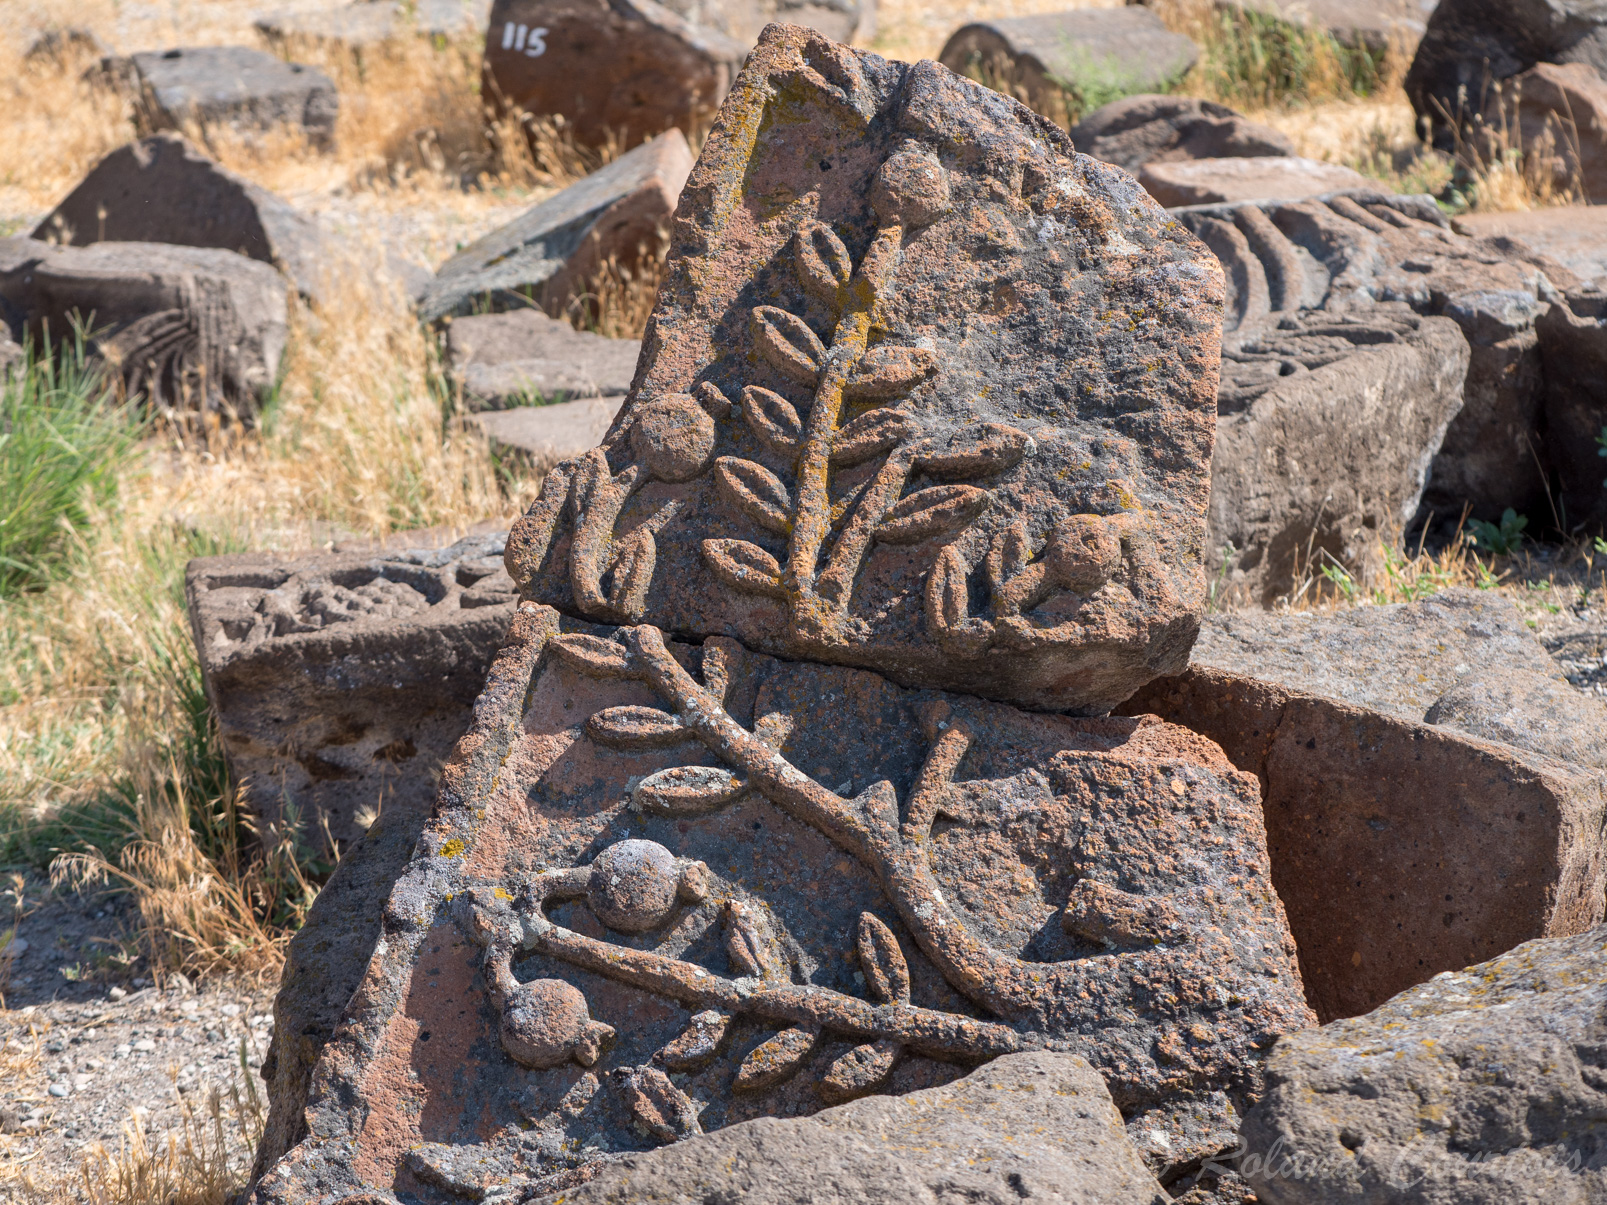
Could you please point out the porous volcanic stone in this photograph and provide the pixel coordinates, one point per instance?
(341, 682)
(192, 329)
(1261, 178)
(232, 86)
(543, 436)
(1037, 1125)
(1482, 1087)
(1404, 840)
(1092, 54)
(614, 71)
(616, 215)
(508, 359)
(1573, 235)
(924, 391)
(976, 881)
(1575, 351)
(1159, 129)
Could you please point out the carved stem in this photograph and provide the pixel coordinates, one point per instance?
(598, 499)
(842, 567)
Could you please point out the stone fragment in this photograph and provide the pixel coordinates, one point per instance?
(742, 20)
(235, 87)
(1574, 347)
(1374, 24)
(523, 356)
(1090, 56)
(342, 681)
(618, 215)
(1573, 235)
(193, 330)
(994, 480)
(544, 436)
(1472, 47)
(1482, 1087)
(369, 23)
(660, 73)
(649, 825)
(1159, 129)
(1345, 253)
(1039, 1126)
(1261, 178)
(1402, 845)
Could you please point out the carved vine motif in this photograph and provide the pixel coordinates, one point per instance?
(634, 886)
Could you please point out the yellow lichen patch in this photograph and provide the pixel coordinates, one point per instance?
(452, 848)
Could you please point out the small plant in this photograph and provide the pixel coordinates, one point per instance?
(1337, 576)
(1501, 539)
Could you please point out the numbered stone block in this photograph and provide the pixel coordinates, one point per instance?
(671, 888)
(616, 73)
(234, 87)
(926, 392)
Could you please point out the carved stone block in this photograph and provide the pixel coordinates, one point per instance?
(669, 888)
(926, 392)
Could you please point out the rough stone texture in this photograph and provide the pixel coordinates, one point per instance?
(558, 248)
(544, 436)
(979, 881)
(1038, 1126)
(162, 190)
(1483, 1087)
(193, 329)
(1327, 427)
(659, 71)
(1343, 254)
(1023, 359)
(372, 22)
(1400, 847)
(1094, 54)
(1472, 47)
(341, 682)
(233, 86)
(1557, 114)
(1575, 351)
(504, 360)
(1160, 129)
(1573, 235)
(742, 20)
(1264, 177)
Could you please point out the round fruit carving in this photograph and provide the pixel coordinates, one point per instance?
(1083, 552)
(633, 885)
(673, 437)
(545, 1022)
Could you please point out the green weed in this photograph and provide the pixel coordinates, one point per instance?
(1500, 539)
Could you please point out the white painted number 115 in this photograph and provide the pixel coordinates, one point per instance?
(521, 37)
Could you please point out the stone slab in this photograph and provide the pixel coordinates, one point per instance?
(1375, 24)
(234, 86)
(1024, 359)
(557, 249)
(370, 23)
(1574, 348)
(1150, 128)
(544, 436)
(1573, 235)
(1482, 1087)
(1259, 178)
(514, 358)
(604, 901)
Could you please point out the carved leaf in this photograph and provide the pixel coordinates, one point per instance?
(773, 1061)
(695, 1049)
(633, 574)
(929, 512)
(887, 975)
(861, 1071)
(979, 449)
(1008, 555)
(824, 265)
(633, 727)
(744, 566)
(657, 1104)
(869, 435)
(788, 343)
(948, 608)
(687, 790)
(774, 420)
(885, 373)
(756, 491)
(592, 655)
(750, 944)
(711, 399)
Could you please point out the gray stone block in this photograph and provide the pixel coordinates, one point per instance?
(511, 359)
(234, 86)
(543, 436)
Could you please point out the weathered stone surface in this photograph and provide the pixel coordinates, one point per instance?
(1159, 129)
(1093, 54)
(193, 329)
(558, 248)
(1532, 709)
(1096, 886)
(1471, 47)
(1022, 360)
(341, 682)
(162, 190)
(1482, 1087)
(1573, 235)
(1574, 347)
(372, 22)
(231, 86)
(1403, 848)
(1326, 429)
(504, 360)
(1343, 254)
(742, 20)
(1038, 1126)
(1261, 178)
(544, 436)
(659, 71)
